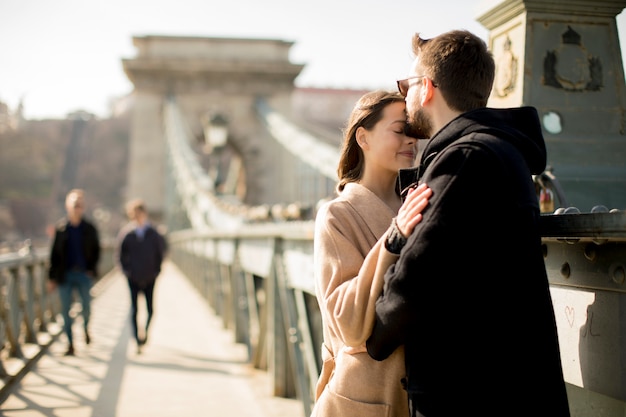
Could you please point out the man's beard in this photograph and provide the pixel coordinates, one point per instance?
(419, 125)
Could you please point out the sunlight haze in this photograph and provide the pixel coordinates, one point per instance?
(66, 55)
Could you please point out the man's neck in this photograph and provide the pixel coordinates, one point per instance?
(443, 116)
(74, 221)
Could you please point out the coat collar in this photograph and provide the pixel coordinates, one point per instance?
(372, 209)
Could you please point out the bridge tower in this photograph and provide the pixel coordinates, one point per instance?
(209, 78)
(563, 57)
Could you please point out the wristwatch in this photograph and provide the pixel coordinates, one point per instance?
(395, 239)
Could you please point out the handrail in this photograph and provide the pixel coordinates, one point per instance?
(26, 307)
(259, 280)
(29, 314)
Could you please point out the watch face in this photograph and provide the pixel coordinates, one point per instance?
(391, 247)
(395, 240)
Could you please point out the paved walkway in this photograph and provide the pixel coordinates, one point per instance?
(189, 367)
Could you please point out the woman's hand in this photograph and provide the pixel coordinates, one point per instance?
(410, 214)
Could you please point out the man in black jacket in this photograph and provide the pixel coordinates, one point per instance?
(140, 252)
(73, 262)
(469, 295)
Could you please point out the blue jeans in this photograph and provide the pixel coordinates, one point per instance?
(82, 282)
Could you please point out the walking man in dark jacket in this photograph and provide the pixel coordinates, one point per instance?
(73, 262)
(141, 250)
(469, 296)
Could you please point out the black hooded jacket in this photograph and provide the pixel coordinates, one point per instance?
(469, 295)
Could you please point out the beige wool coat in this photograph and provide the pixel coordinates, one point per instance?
(350, 261)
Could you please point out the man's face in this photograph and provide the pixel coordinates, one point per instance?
(419, 121)
(74, 205)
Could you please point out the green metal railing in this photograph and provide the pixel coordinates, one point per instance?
(30, 314)
(259, 281)
(26, 307)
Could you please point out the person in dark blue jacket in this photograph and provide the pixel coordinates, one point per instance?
(469, 297)
(74, 260)
(141, 250)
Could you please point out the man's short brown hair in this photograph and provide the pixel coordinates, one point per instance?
(460, 65)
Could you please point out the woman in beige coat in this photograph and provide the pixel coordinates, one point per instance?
(350, 259)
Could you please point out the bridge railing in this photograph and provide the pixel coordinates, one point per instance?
(30, 314)
(259, 280)
(26, 307)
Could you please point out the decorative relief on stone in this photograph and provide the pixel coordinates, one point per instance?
(570, 67)
(506, 71)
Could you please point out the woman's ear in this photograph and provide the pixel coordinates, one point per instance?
(361, 137)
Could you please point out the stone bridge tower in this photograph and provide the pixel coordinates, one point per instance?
(208, 77)
(563, 57)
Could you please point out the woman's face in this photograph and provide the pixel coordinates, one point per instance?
(386, 147)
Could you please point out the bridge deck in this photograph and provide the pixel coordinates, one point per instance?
(190, 365)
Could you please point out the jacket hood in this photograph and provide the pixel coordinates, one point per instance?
(518, 126)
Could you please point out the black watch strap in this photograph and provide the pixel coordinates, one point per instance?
(395, 239)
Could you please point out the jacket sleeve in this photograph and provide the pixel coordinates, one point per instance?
(55, 258)
(91, 247)
(161, 249)
(163, 246)
(348, 277)
(97, 250)
(122, 257)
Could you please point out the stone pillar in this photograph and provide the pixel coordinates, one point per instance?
(563, 57)
(205, 76)
(147, 159)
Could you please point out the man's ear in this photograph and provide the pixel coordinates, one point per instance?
(428, 90)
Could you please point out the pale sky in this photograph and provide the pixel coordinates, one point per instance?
(60, 56)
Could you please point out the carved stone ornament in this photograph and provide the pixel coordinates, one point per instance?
(506, 71)
(570, 67)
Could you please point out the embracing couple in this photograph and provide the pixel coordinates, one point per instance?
(433, 303)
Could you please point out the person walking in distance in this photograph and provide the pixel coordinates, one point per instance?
(140, 253)
(74, 258)
(350, 258)
(468, 297)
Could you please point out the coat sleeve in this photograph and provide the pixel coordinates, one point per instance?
(122, 255)
(55, 258)
(349, 277)
(97, 250)
(161, 248)
(91, 247)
